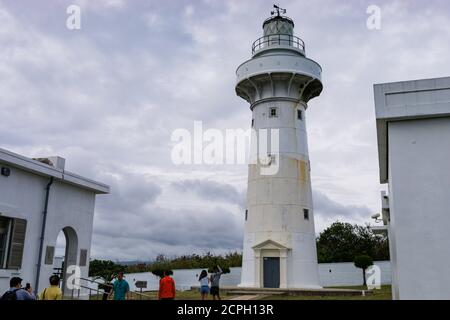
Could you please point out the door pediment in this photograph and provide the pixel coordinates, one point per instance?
(269, 245)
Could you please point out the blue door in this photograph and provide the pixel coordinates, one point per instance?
(271, 269)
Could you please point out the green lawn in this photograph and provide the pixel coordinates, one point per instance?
(383, 294)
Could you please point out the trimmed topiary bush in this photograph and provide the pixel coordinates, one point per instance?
(363, 262)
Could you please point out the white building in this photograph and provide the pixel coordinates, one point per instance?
(413, 124)
(279, 241)
(38, 199)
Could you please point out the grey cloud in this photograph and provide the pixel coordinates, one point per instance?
(326, 207)
(212, 190)
(130, 217)
(157, 228)
(130, 193)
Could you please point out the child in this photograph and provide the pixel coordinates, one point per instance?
(166, 287)
(204, 284)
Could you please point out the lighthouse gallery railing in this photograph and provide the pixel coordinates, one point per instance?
(278, 40)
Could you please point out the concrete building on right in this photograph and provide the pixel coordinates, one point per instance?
(413, 129)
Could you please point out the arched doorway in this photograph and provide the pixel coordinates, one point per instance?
(65, 254)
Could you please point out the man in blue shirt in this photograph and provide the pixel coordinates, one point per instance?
(121, 288)
(16, 292)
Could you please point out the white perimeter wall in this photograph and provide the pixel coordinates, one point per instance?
(346, 274)
(342, 274)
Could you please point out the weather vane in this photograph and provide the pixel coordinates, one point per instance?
(278, 10)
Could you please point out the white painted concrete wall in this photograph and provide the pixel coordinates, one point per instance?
(346, 274)
(22, 195)
(419, 185)
(342, 274)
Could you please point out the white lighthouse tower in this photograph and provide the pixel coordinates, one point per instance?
(278, 81)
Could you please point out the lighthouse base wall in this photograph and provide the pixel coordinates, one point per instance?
(297, 264)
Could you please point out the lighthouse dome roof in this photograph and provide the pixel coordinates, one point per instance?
(278, 25)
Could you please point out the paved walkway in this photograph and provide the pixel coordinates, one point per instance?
(247, 297)
(318, 292)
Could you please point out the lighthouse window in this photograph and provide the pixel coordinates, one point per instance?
(299, 114)
(246, 215)
(306, 214)
(253, 123)
(273, 112)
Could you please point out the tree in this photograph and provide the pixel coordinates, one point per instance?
(105, 269)
(225, 269)
(161, 266)
(363, 262)
(337, 243)
(161, 271)
(342, 242)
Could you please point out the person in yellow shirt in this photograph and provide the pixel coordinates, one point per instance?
(53, 292)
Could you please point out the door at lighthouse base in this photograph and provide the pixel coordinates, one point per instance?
(271, 269)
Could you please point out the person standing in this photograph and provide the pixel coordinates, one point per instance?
(166, 287)
(215, 279)
(53, 292)
(204, 284)
(120, 289)
(16, 292)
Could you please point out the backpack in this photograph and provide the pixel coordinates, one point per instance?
(10, 295)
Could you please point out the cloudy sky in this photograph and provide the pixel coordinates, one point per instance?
(108, 96)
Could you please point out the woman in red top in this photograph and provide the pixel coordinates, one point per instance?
(166, 288)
